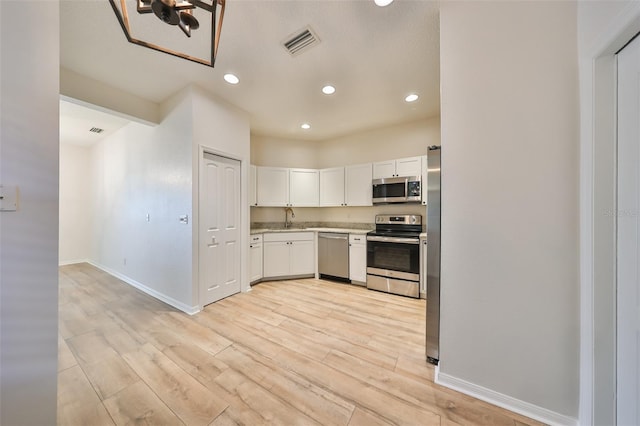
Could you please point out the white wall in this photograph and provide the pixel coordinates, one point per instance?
(223, 129)
(153, 170)
(75, 204)
(109, 98)
(277, 152)
(29, 53)
(398, 141)
(402, 140)
(509, 289)
(142, 170)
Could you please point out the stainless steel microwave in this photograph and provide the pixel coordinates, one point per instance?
(397, 190)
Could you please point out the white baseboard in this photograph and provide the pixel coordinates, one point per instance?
(191, 310)
(72, 262)
(504, 401)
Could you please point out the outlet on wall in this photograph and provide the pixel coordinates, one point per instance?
(125, 261)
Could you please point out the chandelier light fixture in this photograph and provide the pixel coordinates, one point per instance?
(199, 20)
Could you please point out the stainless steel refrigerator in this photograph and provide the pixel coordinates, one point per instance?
(433, 255)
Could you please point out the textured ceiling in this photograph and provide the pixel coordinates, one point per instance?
(374, 56)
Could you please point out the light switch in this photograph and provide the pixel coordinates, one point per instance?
(8, 198)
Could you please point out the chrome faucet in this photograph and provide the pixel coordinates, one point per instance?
(287, 222)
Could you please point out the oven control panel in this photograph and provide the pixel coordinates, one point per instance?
(404, 219)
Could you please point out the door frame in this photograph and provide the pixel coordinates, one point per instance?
(598, 104)
(243, 220)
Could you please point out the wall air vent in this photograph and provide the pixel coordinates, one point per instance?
(300, 41)
(96, 130)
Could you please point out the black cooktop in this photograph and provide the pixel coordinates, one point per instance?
(403, 225)
(395, 233)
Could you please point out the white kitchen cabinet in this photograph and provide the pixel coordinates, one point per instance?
(358, 258)
(410, 166)
(424, 184)
(276, 258)
(272, 186)
(384, 169)
(253, 181)
(255, 257)
(346, 186)
(282, 187)
(357, 185)
(304, 188)
(302, 255)
(288, 254)
(332, 187)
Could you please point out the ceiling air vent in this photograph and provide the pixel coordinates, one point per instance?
(96, 130)
(301, 41)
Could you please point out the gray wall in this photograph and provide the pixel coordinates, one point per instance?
(510, 294)
(29, 237)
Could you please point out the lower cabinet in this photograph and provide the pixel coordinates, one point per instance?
(255, 257)
(358, 258)
(288, 254)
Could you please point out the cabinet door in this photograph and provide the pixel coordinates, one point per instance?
(304, 187)
(255, 255)
(357, 258)
(276, 258)
(273, 186)
(302, 257)
(253, 176)
(411, 166)
(332, 187)
(358, 189)
(384, 169)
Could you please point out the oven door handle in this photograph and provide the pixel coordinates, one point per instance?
(393, 239)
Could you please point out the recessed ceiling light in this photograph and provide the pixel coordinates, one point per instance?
(231, 79)
(328, 90)
(383, 3)
(306, 126)
(411, 98)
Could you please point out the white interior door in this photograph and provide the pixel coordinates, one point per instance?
(628, 236)
(219, 228)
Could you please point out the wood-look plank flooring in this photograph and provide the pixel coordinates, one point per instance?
(298, 352)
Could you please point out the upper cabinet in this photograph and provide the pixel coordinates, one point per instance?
(304, 188)
(273, 186)
(346, 186)
(332, 187)
(282, 187)
(357, 184)
(410, 166)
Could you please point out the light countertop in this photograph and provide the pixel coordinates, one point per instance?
(337, 230)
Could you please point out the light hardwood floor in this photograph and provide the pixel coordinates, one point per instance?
(299, 352)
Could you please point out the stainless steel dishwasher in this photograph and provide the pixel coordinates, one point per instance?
(333, 255)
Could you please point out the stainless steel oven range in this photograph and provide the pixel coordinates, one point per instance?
(393, 255)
